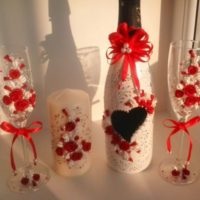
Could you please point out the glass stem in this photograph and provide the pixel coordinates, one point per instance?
(25, 147)
(182, 141)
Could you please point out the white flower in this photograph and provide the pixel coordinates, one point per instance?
(22, 79)
(60, 144)
(179, 86)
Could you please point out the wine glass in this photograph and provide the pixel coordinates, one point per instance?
(17, 100)
(184, 92)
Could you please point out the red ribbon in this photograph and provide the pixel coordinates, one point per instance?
(132, 44)
(21, 132)
(177, 126)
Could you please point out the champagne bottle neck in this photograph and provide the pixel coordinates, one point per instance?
(129, 12)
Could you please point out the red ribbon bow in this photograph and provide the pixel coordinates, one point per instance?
(133, 44)
(177, 126)
(21, 132)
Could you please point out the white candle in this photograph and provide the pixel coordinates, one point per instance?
(70, 120)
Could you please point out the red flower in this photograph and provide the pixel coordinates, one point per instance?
(16, 95)
(21, 105)
(192, 70)
(76, 156)
(70, 126)
(70, 146)
(189, 101)
(86, 146)
(179, 93)
(6, 100)
(189, 90)
(124, 145)
(59, 151)
(109, 130)
(14, 73)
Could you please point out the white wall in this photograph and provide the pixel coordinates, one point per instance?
(54, 29)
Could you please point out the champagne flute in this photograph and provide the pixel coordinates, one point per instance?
(184, 93)
(17, 100)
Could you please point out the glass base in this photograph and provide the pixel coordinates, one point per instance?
(29, 178)
(176, 172)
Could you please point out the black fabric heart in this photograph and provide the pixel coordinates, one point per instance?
(126, 123)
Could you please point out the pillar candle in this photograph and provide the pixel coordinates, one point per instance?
(70, 122)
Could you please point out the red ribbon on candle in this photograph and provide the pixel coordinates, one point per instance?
(25, 132)
(132, 43)
(177, 126)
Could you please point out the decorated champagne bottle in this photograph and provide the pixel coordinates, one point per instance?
(128, 99)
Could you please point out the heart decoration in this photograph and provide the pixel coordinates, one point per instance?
(126, 123)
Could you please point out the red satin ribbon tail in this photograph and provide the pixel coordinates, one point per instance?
(124, 69)
(190, 146)
(12, 160)
(134, 73)
(33, 150)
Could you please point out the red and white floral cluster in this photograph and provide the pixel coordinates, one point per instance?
(187, 92)
(71, 146)
(145, 101)
(17, 94)
(122, 147)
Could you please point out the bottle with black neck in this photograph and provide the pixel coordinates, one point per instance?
(128, 99)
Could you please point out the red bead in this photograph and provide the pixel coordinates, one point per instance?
(24, 181)
(175, 172)
(36, 177)
(185, 171)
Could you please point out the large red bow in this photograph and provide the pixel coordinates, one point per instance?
(132, 43)
(21, 132)
(177, 126)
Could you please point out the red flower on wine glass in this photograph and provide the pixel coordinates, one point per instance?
(14, 73)
(21, 105)
(16, 94)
